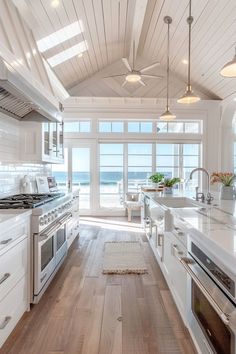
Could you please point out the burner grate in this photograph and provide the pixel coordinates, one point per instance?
(28, 201)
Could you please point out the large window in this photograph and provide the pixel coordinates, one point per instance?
(111, 174)
(139, 165)
(178, 160)
(77, 127)
(139, 127)
(111, 127)
(189, 127)
(125, 167)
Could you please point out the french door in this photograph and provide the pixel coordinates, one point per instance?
(78, 173)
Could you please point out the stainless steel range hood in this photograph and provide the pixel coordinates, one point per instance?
(22, 100)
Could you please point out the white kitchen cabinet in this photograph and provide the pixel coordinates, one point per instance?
(14, 273)
(41, 142)
(175, 273)
(73, 225)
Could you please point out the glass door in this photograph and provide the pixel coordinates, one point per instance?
(81, 175)
(61, 173)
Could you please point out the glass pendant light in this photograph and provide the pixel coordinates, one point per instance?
(189, 96)
(229, 69)
(167, 115)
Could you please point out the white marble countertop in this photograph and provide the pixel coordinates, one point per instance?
(9, 217)
(213, 225)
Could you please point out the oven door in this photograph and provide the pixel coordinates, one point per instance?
(212, 315)
(50, 248)
(61, 238)
(44, 259)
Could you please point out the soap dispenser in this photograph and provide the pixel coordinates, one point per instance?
(26, 185)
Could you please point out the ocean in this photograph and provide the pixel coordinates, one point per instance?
(109, 178)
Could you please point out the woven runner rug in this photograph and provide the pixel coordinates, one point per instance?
(123, 257)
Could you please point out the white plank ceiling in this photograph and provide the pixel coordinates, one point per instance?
(110, 26)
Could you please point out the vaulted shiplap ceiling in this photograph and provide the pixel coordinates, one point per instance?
(109, 29)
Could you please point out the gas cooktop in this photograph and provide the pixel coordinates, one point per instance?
(28, 201)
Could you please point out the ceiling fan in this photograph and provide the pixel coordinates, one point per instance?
(133, 75)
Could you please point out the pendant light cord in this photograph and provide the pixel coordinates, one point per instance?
(189, 21)
(168, 65)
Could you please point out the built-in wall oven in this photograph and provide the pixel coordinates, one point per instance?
(50, 249)
(211, 303)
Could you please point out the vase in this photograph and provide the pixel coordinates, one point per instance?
(168, 190)
(227, 192)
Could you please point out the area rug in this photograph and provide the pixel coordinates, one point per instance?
(123, 257)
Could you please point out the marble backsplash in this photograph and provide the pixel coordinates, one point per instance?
(11, 176)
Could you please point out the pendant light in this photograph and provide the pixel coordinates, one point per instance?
(167, 115)
(229, 69)
(189, 96)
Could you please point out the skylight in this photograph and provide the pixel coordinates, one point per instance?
(68, 53)
(60, 36)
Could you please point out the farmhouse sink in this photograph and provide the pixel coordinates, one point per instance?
(178, 202)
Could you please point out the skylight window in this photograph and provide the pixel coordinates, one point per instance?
(68, 53)
(60, 36)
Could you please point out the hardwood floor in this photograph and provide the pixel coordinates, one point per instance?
(84, 311)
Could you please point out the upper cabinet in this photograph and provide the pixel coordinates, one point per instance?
(41, 142)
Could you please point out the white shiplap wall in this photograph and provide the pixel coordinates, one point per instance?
(11, 169)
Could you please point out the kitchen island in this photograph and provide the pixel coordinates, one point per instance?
(194, 244)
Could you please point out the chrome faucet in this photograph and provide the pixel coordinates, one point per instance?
(209, 198)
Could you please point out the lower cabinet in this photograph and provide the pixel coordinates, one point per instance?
(175, 273)
(73, 225)
(12, 307)
(14, 275)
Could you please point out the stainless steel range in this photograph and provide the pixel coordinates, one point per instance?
(50, 215)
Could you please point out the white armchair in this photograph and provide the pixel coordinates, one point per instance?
(132, 202)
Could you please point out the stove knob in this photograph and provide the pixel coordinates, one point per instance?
(180, 233)
(45, 218)
(41, 221)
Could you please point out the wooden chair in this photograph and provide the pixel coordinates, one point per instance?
(132, 202)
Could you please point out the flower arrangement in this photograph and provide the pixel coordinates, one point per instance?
(170, 182)
(226, 178)
(157, 177)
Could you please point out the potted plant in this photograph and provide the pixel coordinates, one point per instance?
(227, 190)
(169, 183)
(156, 178)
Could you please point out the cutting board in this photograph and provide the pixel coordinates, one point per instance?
(42, 184)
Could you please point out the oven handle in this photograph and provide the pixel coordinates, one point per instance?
(185, 262)
(51, 230)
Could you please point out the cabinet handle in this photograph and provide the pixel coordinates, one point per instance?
(6, 275)
(159, 239)
(5, 242)
(175, 251)
(7, 319)
(43, 277)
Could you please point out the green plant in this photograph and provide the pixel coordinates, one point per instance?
(157, 177)
(170, 182)
(226, 178)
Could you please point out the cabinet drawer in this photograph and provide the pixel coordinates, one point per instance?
(12, 235)
(13, 265)
(12, 308)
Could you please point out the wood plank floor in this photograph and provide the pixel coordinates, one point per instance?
(86, 312)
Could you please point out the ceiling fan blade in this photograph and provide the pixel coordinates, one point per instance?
(142, 83)
(125, 61)
(149, 67)
(107, 77)
(124, 83)
(152, 76)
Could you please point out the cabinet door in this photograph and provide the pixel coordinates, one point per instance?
(173, 250)
(54, 139)
(46, 139)
(60, 142)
